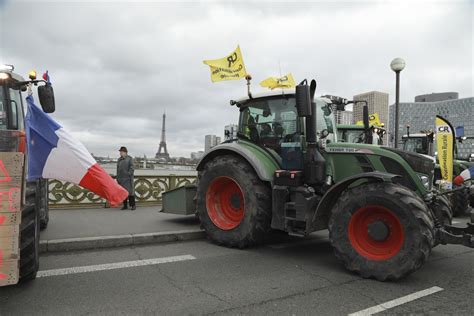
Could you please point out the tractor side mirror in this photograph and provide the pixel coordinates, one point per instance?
(303, 99)
(46, 97)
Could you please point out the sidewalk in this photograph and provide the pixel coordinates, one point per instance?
(78, 229)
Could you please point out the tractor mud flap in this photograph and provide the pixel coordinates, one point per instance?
(457, 235)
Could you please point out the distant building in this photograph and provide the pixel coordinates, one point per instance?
(436, 97)
(421, 116)
(211, 141)
(230, 131)
(377, 102)
(343, 117)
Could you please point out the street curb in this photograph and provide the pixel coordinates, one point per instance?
(88, 243)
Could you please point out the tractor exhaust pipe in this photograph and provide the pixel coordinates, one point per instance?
(314, 168)
(368, 132)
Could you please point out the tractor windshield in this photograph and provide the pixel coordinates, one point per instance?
(270, 121)
(416, 144)
(351, 135)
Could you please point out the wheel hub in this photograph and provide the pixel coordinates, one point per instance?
(378, 231)
(235, 201)
(225, 203)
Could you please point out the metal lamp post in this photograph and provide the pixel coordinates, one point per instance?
(397, 65)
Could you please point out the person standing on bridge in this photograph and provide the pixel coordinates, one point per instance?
(125, 177)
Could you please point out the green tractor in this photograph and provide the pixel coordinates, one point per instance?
(423, 143)
(287, 171)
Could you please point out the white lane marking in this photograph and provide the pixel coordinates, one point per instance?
(396, 302)
(112, 266)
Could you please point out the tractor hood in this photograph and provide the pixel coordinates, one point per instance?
(420, 163)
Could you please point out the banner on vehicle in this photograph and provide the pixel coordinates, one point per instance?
(287, 81)
(230, 67)
(445, 147)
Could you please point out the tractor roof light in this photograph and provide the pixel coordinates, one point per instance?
(32, 75)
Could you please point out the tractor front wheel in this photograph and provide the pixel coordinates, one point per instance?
(442, 210)
(234, 205)
(460, 201)
(381, 230)
(30, 233)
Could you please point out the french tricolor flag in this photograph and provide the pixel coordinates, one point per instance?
(54, 154)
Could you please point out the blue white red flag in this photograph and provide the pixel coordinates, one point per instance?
(54, 154)
(467, 174)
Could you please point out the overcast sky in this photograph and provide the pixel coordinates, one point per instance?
(116, 66)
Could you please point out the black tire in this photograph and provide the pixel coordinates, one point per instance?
(414, 233)
(43, 203)
(256, 219)
(442, 209)
(29, 238)
(460, 201)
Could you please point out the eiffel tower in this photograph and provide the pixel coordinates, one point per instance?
(162, 151)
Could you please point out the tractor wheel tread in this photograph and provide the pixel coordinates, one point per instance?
(257, 217)
(419, 236)
(460, 200)
(29, 234)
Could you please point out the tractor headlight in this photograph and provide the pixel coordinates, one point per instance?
(425, 180)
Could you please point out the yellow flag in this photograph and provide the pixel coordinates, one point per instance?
(286, 81)
(374, 120)
(230, 67)
(445, 140)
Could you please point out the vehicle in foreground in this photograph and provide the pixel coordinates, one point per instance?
(287, 171)
(23, 204)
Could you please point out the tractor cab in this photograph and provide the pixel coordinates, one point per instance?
(421, 143)
(271, 120)
(12, 111)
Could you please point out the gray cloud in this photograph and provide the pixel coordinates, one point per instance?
(117, 66)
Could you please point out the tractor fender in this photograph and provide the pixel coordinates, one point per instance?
(261, 161)
(322, 214)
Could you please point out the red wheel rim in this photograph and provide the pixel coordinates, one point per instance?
(364, 243)
(225, 203)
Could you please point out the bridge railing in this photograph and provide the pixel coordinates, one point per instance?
(148, 191)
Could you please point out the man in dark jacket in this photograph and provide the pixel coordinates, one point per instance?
(125, 177)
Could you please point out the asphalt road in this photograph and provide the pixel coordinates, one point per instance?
(73, 223)
(289, 278)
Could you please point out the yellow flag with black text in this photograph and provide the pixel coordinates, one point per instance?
(286, 81)
(445, 147)
(230, 67)
(374, 120)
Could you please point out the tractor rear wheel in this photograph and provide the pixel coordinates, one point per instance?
(234, 205)
(381, 230)
(30, 234)
(460, 201)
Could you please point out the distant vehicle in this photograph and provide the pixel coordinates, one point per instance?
(358, 134)
(423, 143)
